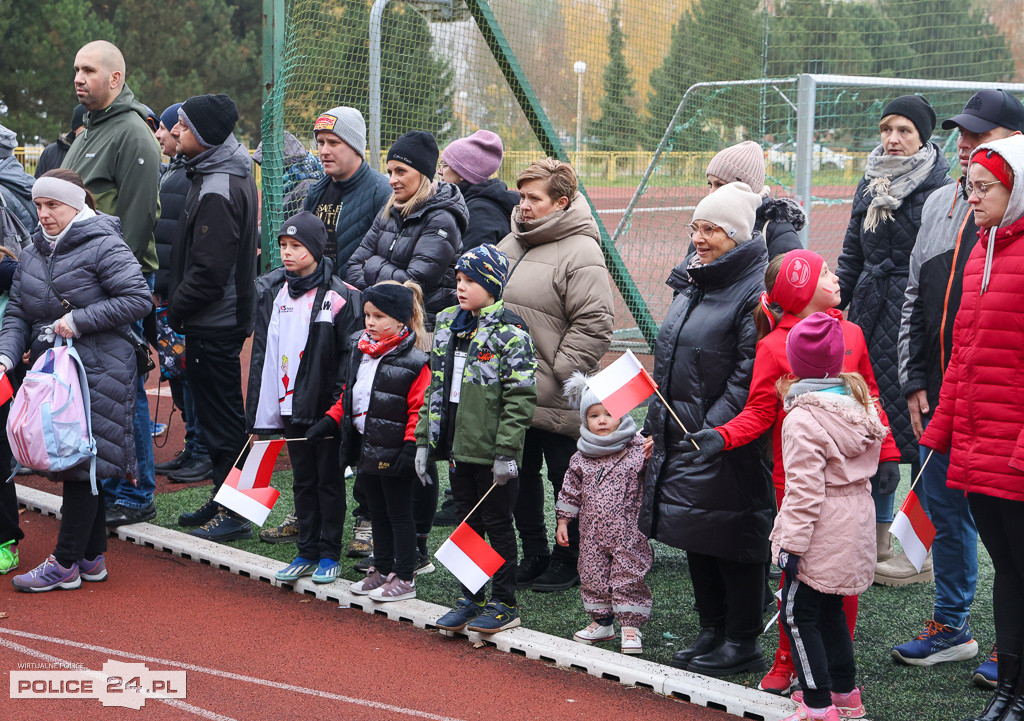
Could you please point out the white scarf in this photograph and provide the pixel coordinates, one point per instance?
(83, 214)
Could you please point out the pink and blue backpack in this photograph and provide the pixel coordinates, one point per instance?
(50, 426)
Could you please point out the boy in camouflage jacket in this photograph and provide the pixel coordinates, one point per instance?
(480, 402)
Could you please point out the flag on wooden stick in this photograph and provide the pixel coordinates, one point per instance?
(623, 385)
(469, 558)
(914, 529)
(247, 491)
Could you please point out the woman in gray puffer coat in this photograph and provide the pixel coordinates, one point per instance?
(92, 268)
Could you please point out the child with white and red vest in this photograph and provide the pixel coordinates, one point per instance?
(604, 489)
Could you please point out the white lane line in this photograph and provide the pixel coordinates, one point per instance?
(162, 391)
(181, 705)
(227, 674)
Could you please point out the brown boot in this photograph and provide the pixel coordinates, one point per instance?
(883, 540)
(899, 571)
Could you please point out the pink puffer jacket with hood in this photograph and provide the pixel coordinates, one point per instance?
(830, 448)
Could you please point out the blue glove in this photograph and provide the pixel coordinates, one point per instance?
(789, 562)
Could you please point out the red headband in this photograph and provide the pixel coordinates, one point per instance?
(994, 163)
(797, 280)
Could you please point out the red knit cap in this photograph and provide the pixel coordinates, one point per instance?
(994, 163)
(797, 280)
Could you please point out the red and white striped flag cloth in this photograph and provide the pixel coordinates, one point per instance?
(914, 529)
(247, 492)
(6, 390)
(469, 558)
(623, 385)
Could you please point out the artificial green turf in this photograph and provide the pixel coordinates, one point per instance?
(888, 616)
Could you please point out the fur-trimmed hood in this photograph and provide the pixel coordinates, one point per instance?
(781, 210)
(844, 419)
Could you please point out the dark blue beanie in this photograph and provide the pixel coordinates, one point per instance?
(169, 117)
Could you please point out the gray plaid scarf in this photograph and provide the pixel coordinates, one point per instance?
(891, 178)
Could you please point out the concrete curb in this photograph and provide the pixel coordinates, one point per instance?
(693, 688)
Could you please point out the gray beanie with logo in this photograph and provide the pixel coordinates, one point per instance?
(347, 124)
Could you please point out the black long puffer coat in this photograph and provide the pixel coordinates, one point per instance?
(97, 273)
(873, 270)
(703, 361)
(422, 247)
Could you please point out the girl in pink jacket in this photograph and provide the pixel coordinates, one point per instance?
(604, 488)
(824, 535)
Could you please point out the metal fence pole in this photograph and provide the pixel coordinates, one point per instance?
(804, 149)
(272, 128)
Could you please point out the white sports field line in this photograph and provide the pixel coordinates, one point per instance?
(210, 671)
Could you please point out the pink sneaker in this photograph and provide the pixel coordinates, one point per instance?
(848, 705)
(803, 713)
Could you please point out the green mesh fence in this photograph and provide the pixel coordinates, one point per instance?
(639, 95)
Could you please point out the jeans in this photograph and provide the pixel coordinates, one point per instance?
(181, 392)
(121, 491)
(955, 549)
(884, 505)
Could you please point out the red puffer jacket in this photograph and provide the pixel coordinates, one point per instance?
(764, 407)
(980, 419)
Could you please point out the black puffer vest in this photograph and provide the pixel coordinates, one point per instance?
(388, 414)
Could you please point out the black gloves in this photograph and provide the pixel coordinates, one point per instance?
(326, 427)
(789, 562)
(404, 465)
(888, 477)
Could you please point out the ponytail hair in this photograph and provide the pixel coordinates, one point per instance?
(417, 322)
(854, 381)
(767, 314)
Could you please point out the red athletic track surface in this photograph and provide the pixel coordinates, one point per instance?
(279, 655)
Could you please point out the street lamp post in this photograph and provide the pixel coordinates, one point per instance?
(579, 67)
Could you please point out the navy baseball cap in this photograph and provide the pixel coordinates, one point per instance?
(989, 109)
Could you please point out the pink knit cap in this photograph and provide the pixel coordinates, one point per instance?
(815, 347)
(475, 158)
(742, 163)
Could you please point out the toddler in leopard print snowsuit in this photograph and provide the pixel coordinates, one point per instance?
(603, 487)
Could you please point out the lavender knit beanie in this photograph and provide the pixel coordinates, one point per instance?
(475, 158)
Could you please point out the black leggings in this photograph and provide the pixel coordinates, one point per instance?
(394, 532)
(1000, 524)
(83, 529)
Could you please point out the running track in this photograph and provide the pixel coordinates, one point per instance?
(252, 651)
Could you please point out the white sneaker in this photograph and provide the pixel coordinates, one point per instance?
(395, 589)
(594, 633)
(632, 640)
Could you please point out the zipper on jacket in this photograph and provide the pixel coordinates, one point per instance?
(949, 288)
(700, 382)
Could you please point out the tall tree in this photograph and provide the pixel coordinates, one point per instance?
(713, 40)
(618, 126)
(38, 43)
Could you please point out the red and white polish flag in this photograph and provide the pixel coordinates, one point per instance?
(247, 491)
(469, 558)
(914, 529)
(6, 390)
(623, 385)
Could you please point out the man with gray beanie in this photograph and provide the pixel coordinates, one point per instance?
(353, 192)
(211, 287)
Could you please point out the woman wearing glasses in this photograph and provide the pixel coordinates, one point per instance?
(979, 420)
(718, 510)
(875, 263)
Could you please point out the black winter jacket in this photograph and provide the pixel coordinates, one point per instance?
(703, 360)
(873, 270)
(779, 219)
(490, 205)
(422, 247)
(321, 375)
(53, 154)
(394, 393)
(174, 187)
(364, 194)
(213, 260)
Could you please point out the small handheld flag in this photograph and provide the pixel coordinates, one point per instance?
(469, 558)
(6, 391)
(914, 529)
(623, 385)
(247, 491)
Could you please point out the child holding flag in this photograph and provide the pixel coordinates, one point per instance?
(304, 316)
(798, 284)
(479, 404)
(604, 488)
(377, 416)
(823, 536)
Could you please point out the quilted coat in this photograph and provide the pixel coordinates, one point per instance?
(830, 446)
(873, 270)
(95, 271)
(703, 360)
(422, 247)
(980, 419)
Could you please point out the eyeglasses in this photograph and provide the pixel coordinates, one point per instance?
(979, 189)
(441, 167)
(704, 230)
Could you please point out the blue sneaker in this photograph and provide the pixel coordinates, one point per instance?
(157, 429)
(462, 613)
(938, 643)
(225, 526)
(496, 617)
(296, 569)
(987, 675)
(326, 571)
